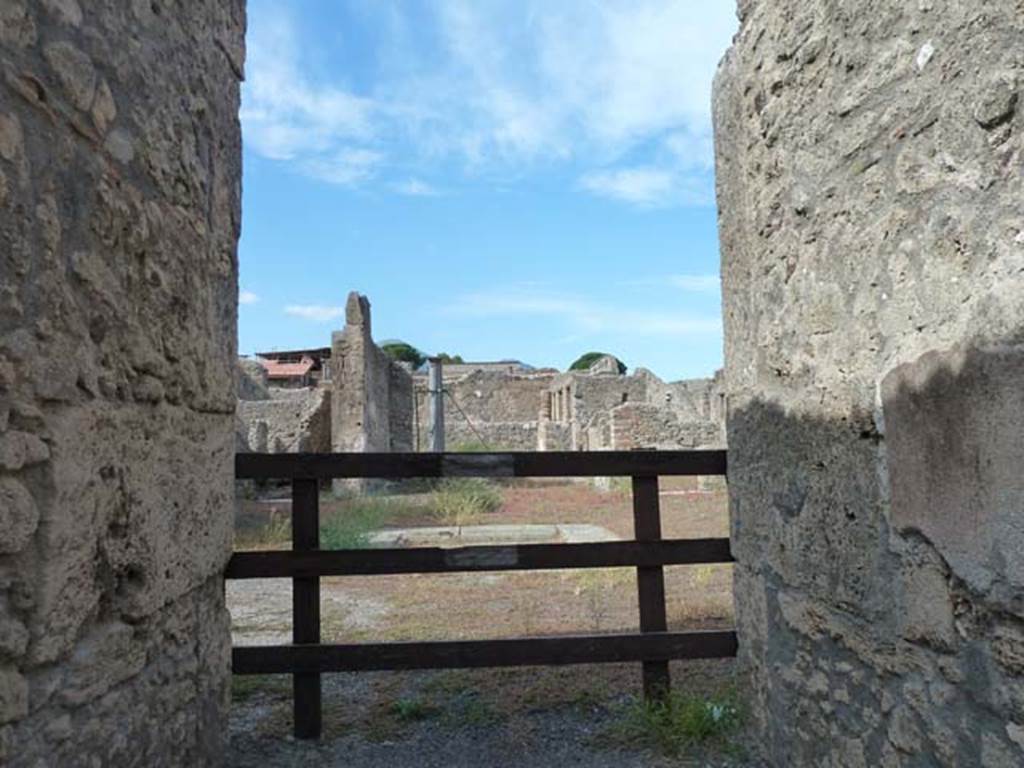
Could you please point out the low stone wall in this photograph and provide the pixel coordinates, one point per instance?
(553, 436)
(496, 436)
(640, 426)
(120, 160)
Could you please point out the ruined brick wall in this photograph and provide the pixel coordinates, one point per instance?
(119, 216)
(869, 167)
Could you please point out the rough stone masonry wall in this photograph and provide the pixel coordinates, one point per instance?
(636, 426)
(119, 216)
(288, 421)
(371, 408)
(869, 168)
(503, 407)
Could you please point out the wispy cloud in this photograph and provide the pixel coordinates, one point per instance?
(346, 167)
(697, 283)
(416, 188)
(643, 186)
(619, 87)
(285, 113)
(315, 312)
(247, 297)
(583, 314)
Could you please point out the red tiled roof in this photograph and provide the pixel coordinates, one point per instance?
(276, 370)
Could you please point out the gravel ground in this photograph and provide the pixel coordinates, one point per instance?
(555, 739)
(475, 720)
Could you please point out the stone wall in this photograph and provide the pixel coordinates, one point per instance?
(401, 408)
(119, 216)
(642, 426)
(288, 421)
(869, 169)
(502, 406)
(371, 395)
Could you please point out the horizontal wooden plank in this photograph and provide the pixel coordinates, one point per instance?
(579, 649)
(363, 562)
(283, 466)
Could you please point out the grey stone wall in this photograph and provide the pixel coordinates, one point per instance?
(496, 436)
(119, 216)
(371, 395)
(401, 408)
(251, 380)
(288, 421)
(487, 398)
(869, 169)
(643, 426)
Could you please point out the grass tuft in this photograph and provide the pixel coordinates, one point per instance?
(413, 710)
(351, 527)
(462, 501)
(679, 723)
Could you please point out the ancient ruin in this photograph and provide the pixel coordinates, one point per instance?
(365, 401)
(869, 165)
(870, 187)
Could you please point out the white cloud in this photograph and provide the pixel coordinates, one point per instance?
(650, 186)
(286, 114)
(416, 188)
(583, 314)
(697, 283)
(247, 297)
(346, 167)
(621, 87)
(643, 186)
(315, 312)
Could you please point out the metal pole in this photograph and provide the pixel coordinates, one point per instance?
(436, 405)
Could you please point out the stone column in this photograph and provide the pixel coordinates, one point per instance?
(869, 188)
(120, 168)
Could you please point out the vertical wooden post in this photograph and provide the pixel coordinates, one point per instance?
(650, 581)
(306, 606)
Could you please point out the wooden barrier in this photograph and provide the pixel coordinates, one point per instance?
(306, 659)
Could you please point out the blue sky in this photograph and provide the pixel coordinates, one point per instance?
(527, 179)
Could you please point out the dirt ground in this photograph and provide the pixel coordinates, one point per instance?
(532, 716)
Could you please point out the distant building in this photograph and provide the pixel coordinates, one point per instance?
(296, 367)
(289, 374)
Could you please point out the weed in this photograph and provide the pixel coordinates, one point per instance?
(413, 710)
(276, 531)
(350, 528)
(470, 446)
(679, 722)
(245, 687)
(450, 682)
(474, 713)
(594, 585)
(462, 501)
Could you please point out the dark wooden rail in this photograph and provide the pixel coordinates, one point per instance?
(306, 659)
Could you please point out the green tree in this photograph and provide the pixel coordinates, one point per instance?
(444, 357)
(585, 361)
(404, 353)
